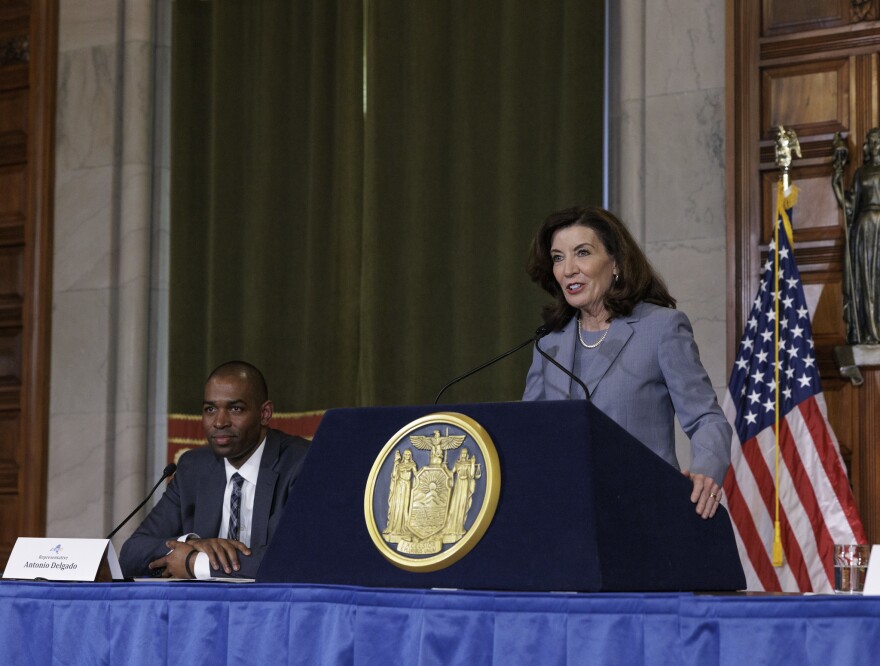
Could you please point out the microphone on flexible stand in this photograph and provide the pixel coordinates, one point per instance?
(558, 365)
(541, 332)
(168, 471)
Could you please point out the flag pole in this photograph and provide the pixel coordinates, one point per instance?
(786, 142)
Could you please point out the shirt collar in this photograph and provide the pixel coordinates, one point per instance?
(251, 468)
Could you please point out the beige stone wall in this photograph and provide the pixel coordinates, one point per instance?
(109, 285)
(666, 171)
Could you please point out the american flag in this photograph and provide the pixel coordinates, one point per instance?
(816, 504)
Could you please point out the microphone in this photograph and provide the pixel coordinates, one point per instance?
(541, 332)
(168, 471)
(559, 365)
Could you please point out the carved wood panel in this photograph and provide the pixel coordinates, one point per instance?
(812, 96)
(785, 16)
(813, 67)
(27, 101)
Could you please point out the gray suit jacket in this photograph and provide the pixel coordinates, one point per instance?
(193, 503)
(645, 372)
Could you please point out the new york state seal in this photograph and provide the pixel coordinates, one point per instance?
(432, 491)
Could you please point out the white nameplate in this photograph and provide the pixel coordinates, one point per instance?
(61, 559)
(872, 579)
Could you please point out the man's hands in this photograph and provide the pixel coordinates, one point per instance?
(173, 565)
(222, 554)
(706, 494)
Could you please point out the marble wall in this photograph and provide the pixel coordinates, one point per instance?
(110, 235)
(109, 334)
(666, 136)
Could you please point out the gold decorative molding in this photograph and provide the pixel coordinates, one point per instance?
(862, 10)
(14, 51)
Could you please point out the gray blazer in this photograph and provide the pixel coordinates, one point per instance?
(193, 503)
(645, 372)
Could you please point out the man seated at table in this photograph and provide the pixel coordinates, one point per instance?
(220, 510)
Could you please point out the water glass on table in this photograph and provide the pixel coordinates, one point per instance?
(850, 567)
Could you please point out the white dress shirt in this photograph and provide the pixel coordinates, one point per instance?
(250, 471)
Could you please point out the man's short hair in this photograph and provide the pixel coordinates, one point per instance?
(251, 373)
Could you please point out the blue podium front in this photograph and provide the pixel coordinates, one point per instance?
(583, 506)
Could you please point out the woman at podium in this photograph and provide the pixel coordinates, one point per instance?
(613, 324)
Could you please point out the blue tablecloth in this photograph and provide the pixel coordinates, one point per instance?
(213, 623)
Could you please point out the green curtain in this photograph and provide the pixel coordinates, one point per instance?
(362, 237)
(267, 164)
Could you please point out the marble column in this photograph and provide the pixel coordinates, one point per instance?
(107, 276)
(666, 162)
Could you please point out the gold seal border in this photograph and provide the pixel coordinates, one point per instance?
(492, 475)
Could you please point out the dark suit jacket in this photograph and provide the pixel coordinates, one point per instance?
(193, 503)
(646, 372)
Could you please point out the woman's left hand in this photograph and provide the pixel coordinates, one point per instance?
(706, 494)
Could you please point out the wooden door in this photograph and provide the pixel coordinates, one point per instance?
(28, 56)
(810, 65)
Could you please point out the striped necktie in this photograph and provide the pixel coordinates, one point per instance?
(235, 507)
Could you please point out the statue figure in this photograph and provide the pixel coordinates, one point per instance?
(399, 497)
(861, 206)
(466, 471)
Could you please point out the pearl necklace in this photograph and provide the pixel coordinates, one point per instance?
(581, 339)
